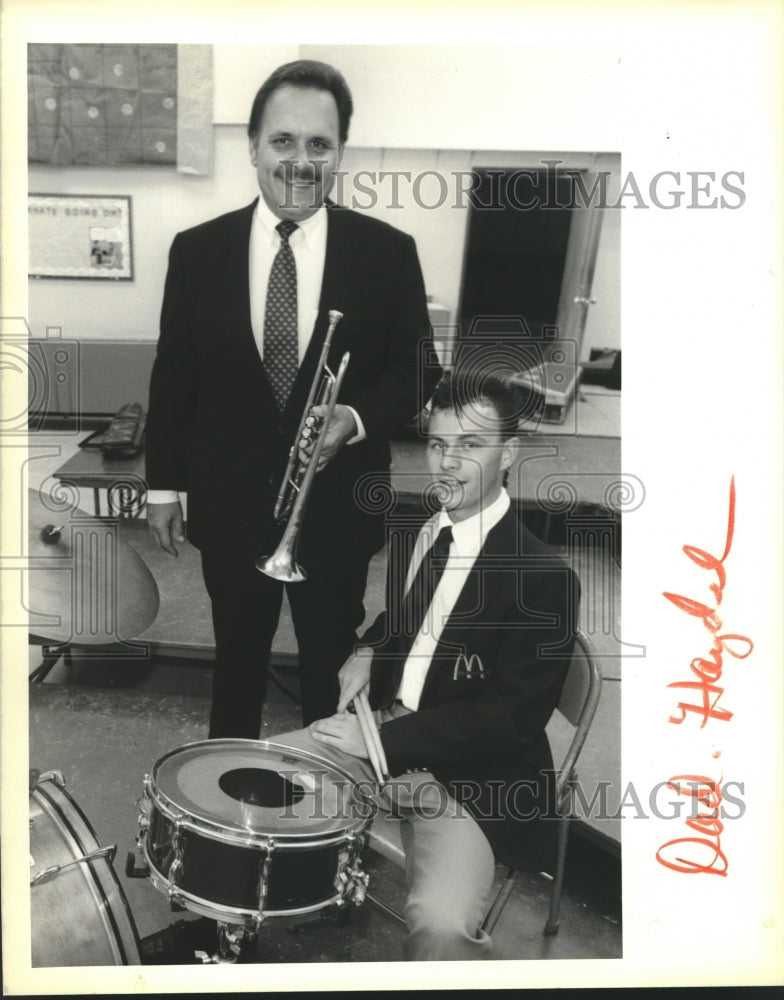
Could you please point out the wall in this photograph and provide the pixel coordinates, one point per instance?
(450, 126)
(480, 97)
(163, 202)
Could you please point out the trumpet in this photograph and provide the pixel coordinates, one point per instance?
(298, 479)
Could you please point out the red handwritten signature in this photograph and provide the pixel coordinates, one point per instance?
(703, 853)
(710, 857)
(708, 669)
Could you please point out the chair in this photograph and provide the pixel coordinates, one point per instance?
(578, 702)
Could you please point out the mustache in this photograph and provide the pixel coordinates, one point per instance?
(290, 171)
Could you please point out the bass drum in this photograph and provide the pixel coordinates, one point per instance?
(79, 914)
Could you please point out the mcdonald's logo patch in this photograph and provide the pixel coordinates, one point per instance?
(468, 668)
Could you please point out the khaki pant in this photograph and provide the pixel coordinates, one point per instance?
(449, 861)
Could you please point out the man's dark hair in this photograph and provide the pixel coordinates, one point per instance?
(463, 390)
(304, 73)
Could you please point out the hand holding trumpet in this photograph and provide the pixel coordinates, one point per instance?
(342, 427)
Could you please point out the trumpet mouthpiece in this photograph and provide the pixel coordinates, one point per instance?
(335, 316)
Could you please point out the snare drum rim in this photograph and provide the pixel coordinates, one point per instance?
(49, 804)
(225, 911)
(214, 830)
(253, 841)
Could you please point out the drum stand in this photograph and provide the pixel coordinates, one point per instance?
(231, 938)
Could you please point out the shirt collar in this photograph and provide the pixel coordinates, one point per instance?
(471, 533)
(312, 229)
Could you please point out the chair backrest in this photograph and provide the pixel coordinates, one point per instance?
(579, 699)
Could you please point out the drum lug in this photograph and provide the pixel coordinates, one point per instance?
(351, 882)
(264, 878)
(175, 868)
(143, 803)
(356, 884)
(144, 825)
(144, 806)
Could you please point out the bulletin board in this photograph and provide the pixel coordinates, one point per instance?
(80, 236)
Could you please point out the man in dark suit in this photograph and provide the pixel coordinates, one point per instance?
(463, 692)
(244, 318)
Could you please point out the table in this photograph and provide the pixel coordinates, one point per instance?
(122, 478)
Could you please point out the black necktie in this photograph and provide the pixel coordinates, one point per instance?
(420, 595)
(281, 357)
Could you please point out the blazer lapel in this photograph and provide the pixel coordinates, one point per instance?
(343, 246)
(477, 594)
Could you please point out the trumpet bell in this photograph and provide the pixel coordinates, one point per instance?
(280, 567)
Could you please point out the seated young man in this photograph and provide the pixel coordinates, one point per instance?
(462, 695)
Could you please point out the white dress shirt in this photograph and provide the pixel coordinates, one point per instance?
(468, 537)
(309, 245)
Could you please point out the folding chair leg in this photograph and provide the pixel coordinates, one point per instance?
(554, 917)
(500, 901)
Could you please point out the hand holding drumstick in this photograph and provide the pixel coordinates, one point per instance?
(340, 729)
(354, 679)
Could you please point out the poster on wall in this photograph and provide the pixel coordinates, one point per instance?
(102, 105)
(80, 236)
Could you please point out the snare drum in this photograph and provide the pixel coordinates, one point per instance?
(79, 914)
(238, 830)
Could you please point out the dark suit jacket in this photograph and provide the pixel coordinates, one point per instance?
(491, 688)
(212, 427)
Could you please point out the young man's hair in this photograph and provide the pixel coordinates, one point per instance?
(462, 391)
(304, 73)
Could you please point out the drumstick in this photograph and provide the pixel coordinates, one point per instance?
(371, 737)
(367, 737)
(382, 758)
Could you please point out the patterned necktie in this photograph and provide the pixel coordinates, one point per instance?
(420, 595)
(281, 357)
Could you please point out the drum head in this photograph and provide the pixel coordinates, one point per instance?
(258, 789)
